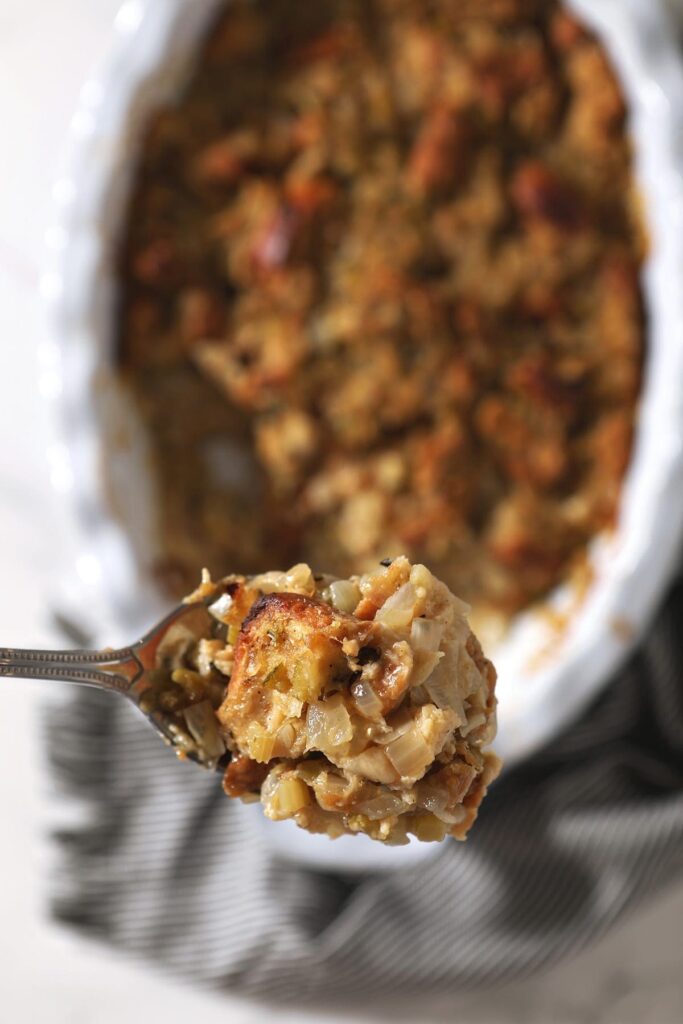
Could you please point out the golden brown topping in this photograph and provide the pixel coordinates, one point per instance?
(381, 294)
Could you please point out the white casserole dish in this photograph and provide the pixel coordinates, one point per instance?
(152, 47)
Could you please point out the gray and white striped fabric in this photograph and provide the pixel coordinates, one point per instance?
(159, 863)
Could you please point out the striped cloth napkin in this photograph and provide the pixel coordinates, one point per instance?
(152, 858)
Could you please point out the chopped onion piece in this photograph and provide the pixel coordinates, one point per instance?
(269, 787)
(468, 673)
(472, 722)
(309, 771)
(423, 667)
(454, 816)
(445, 694)
(291, 795)
(269, 582)
(285, 740)
(373, 764)
(426, 635)
(315, 725)
(367, 701)
(420, 576)
(397, 611)
(203, 725)
(330, 791)
(433, 800)
(427, 828)
(384, 806)
(221, 607)
(461, 607)
(300, 579)
(410, 754)
(328, 724)
(261, 747)
(343, 595)
(436, 801)
(395, 730)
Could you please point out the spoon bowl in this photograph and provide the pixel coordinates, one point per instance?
(142, 673)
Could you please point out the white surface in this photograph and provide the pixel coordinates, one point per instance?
(46, 975)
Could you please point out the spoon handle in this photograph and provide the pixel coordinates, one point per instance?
(109, 670)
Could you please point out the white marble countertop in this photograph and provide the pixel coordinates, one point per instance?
(46, 974)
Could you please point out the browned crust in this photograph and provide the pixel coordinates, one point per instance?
(273, 614)
(268, 629)
(271, 609)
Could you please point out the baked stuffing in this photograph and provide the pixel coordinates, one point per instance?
(380, 294)
(362, 705)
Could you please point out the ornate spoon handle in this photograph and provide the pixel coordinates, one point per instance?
(109, 670)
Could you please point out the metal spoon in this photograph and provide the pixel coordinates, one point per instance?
(143, 672)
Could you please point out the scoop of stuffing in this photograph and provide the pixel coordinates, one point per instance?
(359, 705)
